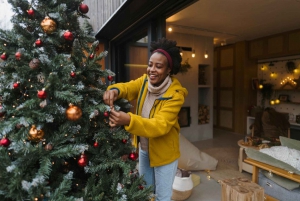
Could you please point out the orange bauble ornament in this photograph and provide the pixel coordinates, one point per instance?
(35, 135)
(73, 113)
(48, 25)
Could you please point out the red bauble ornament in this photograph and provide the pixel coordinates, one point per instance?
(16, 85)
(124, 141)
(48, 147)
(73, 74)
(83, 8)
(82, 161)
(141, 187)
(96, 144)
(68, 35)
(5, 142)
(30, 12)
(106, 114)
(110, 78)
(18, 55)
(133, 156)
(38, 43)
(3, 56)
(91, 56)
(42, 94)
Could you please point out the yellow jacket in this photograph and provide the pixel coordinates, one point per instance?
(162, 127)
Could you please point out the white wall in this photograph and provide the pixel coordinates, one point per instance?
(190, 80)
(5, 15)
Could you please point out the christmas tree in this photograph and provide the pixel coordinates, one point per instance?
(56, 143)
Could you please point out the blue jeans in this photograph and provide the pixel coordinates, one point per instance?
(161, 177)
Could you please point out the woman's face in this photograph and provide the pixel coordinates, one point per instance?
(157, 69)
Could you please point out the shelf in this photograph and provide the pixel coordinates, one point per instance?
(203, 86)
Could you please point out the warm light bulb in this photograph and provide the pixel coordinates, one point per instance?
(272, 102)
(261, 86)
(272, 74)
(181, 53)
(193, 54)
(205, 55)
(296, 71)
(170, 29)
(277, 101)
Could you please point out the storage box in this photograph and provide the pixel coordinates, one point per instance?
(276, 191)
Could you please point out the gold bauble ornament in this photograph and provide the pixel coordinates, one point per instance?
(48, 25)
(34, 134)
(73, 113)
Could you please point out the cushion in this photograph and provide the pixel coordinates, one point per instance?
(264, 158)
(192, 158)
(281, 181)
(290, 143)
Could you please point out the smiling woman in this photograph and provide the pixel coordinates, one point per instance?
(5, 15)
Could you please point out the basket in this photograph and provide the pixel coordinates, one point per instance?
(181, 195)
(182, 188)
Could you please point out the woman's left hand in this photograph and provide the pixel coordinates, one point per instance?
(118, 118)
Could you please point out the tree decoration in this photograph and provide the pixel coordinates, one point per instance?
(106, 114)
(48, 147)
(35, 135)
(42, 94)
(91, 56)
(110, 78)
(38, 43)
(18, 55)
(124, 141)
(43, 103)
(30, 12)
(83, 160)
(73, 74)
(48, 25)
(141, 187)
(68, 35)
(83, 8)
(96, 144)
(16, 85)
(73, 113)
(133, 156)
(5, 142)
(3, 56)
(34, 64)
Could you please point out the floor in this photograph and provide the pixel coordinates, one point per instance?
(209, 189)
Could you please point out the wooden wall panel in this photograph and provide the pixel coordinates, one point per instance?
(226, 98)
(226, 117)
(294, 41)
(226, 57)
(256, 48)
(226, 78)
(275, 45)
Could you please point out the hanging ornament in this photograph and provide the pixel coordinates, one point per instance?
(42, 94)
(133, 156)
(2, 111)
(3, 56)
(82, 161)
(73, 113)
(43, 103)
(38, 43)
(29, 28)
(16, 85)
(110, 78)
(106, 114)
(34, 134)
(141, 187)
(124, 141)
(83, 8)
(5, 142)
(91, 56)
(30, 12)
(96, 144)
(68, 35)
(18, 55)
(34, 64)
(48, 25)
(18, 126)
(48, 147)
(73, 74)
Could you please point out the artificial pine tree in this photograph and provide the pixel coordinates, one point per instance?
(56, 143)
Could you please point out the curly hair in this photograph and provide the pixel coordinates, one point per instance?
(170, 47)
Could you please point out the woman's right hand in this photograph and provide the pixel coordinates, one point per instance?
(110, 96)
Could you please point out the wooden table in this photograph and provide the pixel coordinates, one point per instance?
(242, 165)
(284, 173)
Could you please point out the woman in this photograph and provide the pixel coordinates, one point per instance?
(159, 98)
